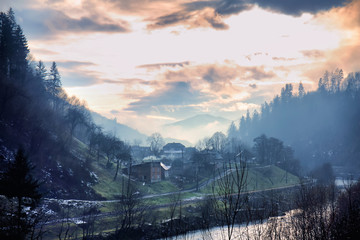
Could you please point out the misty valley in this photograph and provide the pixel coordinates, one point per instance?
(284, 168)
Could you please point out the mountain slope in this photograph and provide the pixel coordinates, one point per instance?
(197, 127)
(199, 121)
(121, 131)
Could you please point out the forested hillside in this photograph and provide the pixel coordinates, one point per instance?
(321, 126)
(36, 115)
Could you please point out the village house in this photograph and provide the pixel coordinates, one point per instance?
(174, 151)
(150, 172)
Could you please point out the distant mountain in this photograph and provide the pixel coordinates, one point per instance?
(197, 127)
(121, 131)
(200, 121)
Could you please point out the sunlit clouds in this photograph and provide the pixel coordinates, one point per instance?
(157, 62)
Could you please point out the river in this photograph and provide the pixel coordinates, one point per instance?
(252, 231)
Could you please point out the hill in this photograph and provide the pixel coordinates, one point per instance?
(194, 128)
(121, 131)
(38, 116)
(321, 126)
(200, 120)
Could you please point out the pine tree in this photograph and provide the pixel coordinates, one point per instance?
(19, 59)
(13, 48)
(286, 92)
(41, 71)
(21, 190)
(53, 83)
(6, 45)
(301, 90)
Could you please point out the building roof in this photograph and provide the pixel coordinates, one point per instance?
(164, 166)
(174, 146)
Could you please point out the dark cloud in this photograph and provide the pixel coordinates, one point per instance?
(222, 7)
(253, 86)
(159, 65)
(202, 14)
(170, 19)
(297, 7)
(47, 22)
(172, 96)
(228, 7)
(190, 19)
(211, 13)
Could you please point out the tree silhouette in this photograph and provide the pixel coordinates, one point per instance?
(53, 83)
(21, 191)
(156, 142)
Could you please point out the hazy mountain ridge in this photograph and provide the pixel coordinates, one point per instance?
(199, 121)
(121, 131)
(197, 127)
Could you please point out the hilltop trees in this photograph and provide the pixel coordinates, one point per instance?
(35, 112)
(13, 48)
(321, 126)
(53, 83)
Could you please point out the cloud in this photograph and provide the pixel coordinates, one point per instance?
(210, 13)
(347, 16)
(43, 51)
(194, 89)
(207, 17)
(313, 53)
(160, 65)
(168, 99)
(283, 59)
(42, 23)
(201, 14)
(164, 13)
(158, 14)
(257, 73)
(346, 56)
(228, 7)
(115, 112)
(74, 64)
(297, 7)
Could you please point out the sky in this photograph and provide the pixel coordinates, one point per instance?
(153, 62)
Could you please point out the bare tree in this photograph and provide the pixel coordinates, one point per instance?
(218, 141)
(156, 142)
(90, 215)
(122, 152)
(229, 193)
(131, 210)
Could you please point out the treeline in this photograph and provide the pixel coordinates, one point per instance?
(264, 150)
(321, 126)
(51, 127)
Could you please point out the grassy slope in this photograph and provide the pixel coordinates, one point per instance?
(266, 177)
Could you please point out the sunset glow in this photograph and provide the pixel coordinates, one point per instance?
(163, 61)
